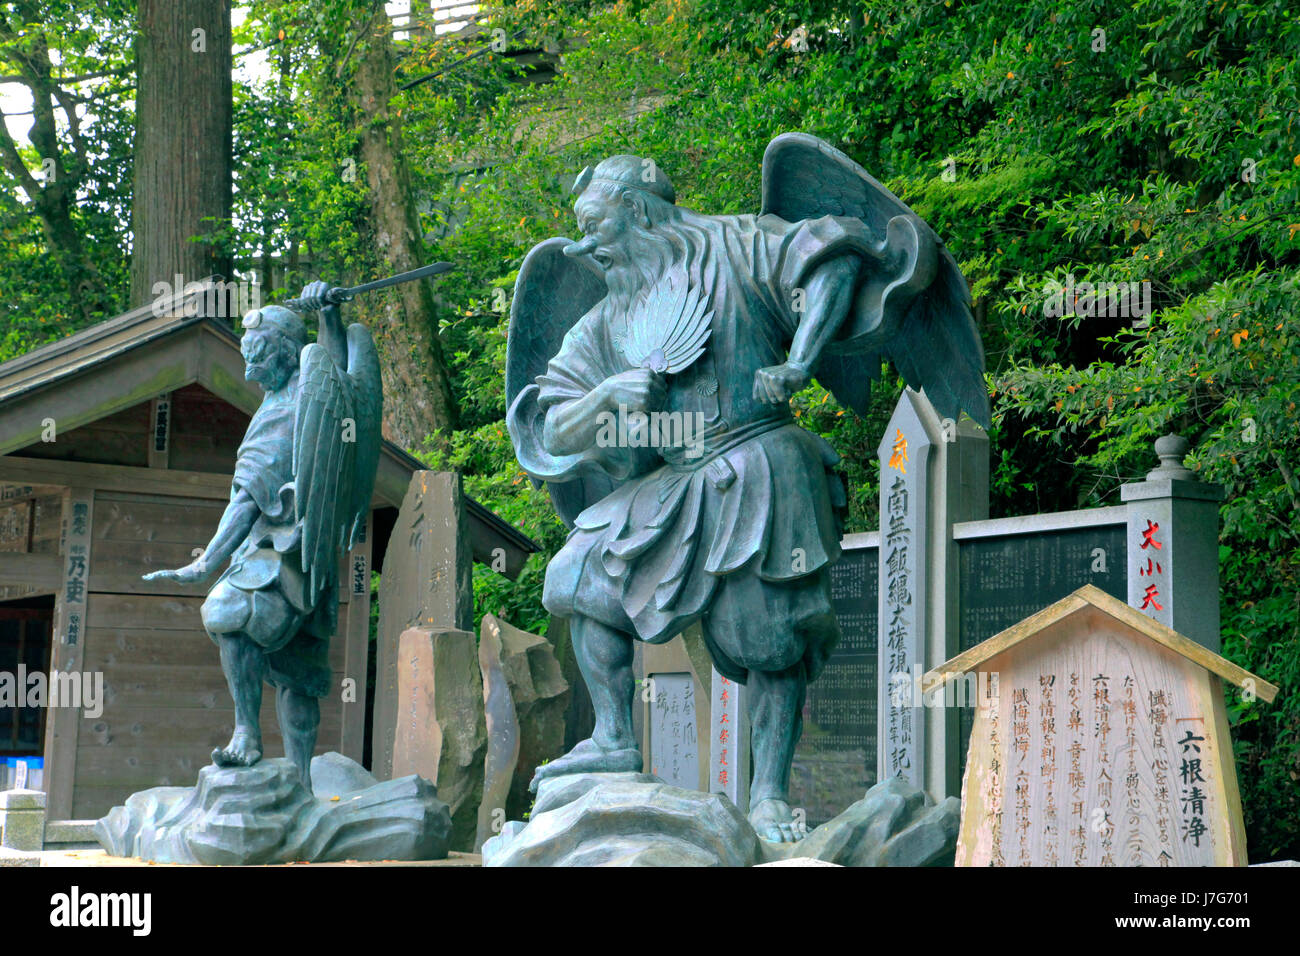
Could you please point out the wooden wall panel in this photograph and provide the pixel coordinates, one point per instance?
(47, 523)
(117, 439)
(166, 705)
(205, 431)
(15, 523)
(135, 534)
(30, 523)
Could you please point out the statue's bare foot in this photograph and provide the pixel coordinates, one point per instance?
(774, 821)
(589, 757)
(244, 750)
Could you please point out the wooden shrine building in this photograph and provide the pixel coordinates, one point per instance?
(116, 449)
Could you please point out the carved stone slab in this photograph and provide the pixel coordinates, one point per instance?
(441, 733)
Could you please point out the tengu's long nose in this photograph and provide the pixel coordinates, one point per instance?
(582, 247)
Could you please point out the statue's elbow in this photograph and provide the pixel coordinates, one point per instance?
(561, 437)
(552, 440)
(548, 433)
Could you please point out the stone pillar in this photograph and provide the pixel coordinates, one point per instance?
(426, 582)
(729, 740)
(499, 769)
(959, 491)
(934, 473)
(1173, 545)
(441, 733)
(22, 820)
(539, 695)
(906, 561)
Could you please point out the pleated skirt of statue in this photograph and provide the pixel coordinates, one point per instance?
(741, 539)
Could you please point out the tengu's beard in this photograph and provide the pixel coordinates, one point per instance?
(645, 256)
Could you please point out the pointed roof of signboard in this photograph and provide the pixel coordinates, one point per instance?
(1090, 596)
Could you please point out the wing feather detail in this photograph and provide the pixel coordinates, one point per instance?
(552, 292)
(335, 451)
(368, 400)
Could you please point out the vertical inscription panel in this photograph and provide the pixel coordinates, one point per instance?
(835, 760)
(904, 569)
(729, 741)
(674, 731)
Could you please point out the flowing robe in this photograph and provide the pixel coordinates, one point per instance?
(737, 526)
(290, 623)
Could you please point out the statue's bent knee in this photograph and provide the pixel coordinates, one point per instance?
(226, 609)
(274, 619)
(563, 575)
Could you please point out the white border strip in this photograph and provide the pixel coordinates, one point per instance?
(1000, 527)
(859, 540)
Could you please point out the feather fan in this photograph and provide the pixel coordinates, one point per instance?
(668, 331)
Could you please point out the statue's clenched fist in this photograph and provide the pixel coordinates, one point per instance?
(776, 383)
(636, 390)
(316, 296)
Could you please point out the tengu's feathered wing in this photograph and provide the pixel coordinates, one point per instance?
(552, 293)
(931, 339)
(336, 442)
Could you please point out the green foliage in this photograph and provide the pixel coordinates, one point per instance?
(1073, 162)
(64, 266)
(1044, 153)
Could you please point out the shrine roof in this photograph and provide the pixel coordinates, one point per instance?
(1089, 596)
(157, 348)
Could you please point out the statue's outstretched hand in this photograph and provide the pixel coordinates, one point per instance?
(192, 572)
(777, 383)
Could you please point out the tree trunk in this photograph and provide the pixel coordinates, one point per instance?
(404, 318)
(183, 144)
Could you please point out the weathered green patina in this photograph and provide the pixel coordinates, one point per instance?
(300, 494)
(648, 375)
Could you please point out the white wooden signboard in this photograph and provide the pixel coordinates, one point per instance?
(1103, 741)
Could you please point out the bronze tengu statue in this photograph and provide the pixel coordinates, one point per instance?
(301, 493)
(649, 370)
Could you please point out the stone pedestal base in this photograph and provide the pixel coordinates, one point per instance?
(22, 820)
(263, 814)
(633, 819)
